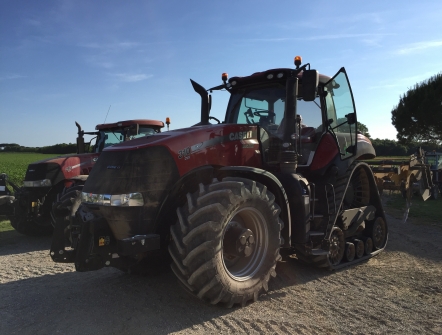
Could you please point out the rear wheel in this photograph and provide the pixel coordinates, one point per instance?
(226, 242)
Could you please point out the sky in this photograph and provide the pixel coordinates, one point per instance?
(106, 60)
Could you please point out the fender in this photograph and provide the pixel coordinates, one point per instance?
(177, 196)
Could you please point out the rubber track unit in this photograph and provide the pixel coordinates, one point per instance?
(336, 197)
(198, 241)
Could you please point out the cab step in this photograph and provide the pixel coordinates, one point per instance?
(319, 252)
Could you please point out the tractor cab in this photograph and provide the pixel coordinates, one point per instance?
(299, 118)
(109, 134)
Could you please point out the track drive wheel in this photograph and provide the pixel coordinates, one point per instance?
(226, 242)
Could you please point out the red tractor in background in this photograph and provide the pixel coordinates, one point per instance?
(29, 209)
(282, 172)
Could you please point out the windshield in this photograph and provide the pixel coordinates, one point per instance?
(110, 137)
(265, 107)
(107, 138)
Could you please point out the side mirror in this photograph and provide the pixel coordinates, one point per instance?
(351, 118)
(310, 81)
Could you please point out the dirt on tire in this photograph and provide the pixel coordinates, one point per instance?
(397, 292)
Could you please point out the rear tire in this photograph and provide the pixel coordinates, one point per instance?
(226, 242)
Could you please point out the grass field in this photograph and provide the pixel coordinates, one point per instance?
(429, 211)
(5, 225)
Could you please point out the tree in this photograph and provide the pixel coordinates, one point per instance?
(418, 115)
(363, 129)
(345, 128)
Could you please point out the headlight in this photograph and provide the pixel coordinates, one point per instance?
(129, 199)
(37, 183)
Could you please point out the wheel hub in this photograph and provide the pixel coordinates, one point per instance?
(238, 241)
(334, 246)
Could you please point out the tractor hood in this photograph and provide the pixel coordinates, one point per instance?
(220, 144)
(59, 168)
(167, 137)
(189, 148)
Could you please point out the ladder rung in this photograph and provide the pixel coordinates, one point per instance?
(319, 252)
(316, 233)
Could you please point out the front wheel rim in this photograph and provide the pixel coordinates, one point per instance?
(242, 268)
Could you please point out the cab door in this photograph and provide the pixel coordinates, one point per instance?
(341, 113)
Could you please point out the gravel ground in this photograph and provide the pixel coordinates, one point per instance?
(396, 292)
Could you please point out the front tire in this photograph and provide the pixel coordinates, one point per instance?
(64, 209)
(226, 242)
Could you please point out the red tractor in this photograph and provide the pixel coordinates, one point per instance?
(282, 172)
(30, 210)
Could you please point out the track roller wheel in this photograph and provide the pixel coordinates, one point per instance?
(368, 246)
(360, 248)
(379, 233)
(337, 246)
(226, 242)
(350, 251)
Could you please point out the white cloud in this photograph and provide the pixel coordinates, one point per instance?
(402, 83)
(131, 78)
(32, 22)
(416, 47)
(369, 38)
(110, 47)
(12, 76)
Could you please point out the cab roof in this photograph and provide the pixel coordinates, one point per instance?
(141, 122)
